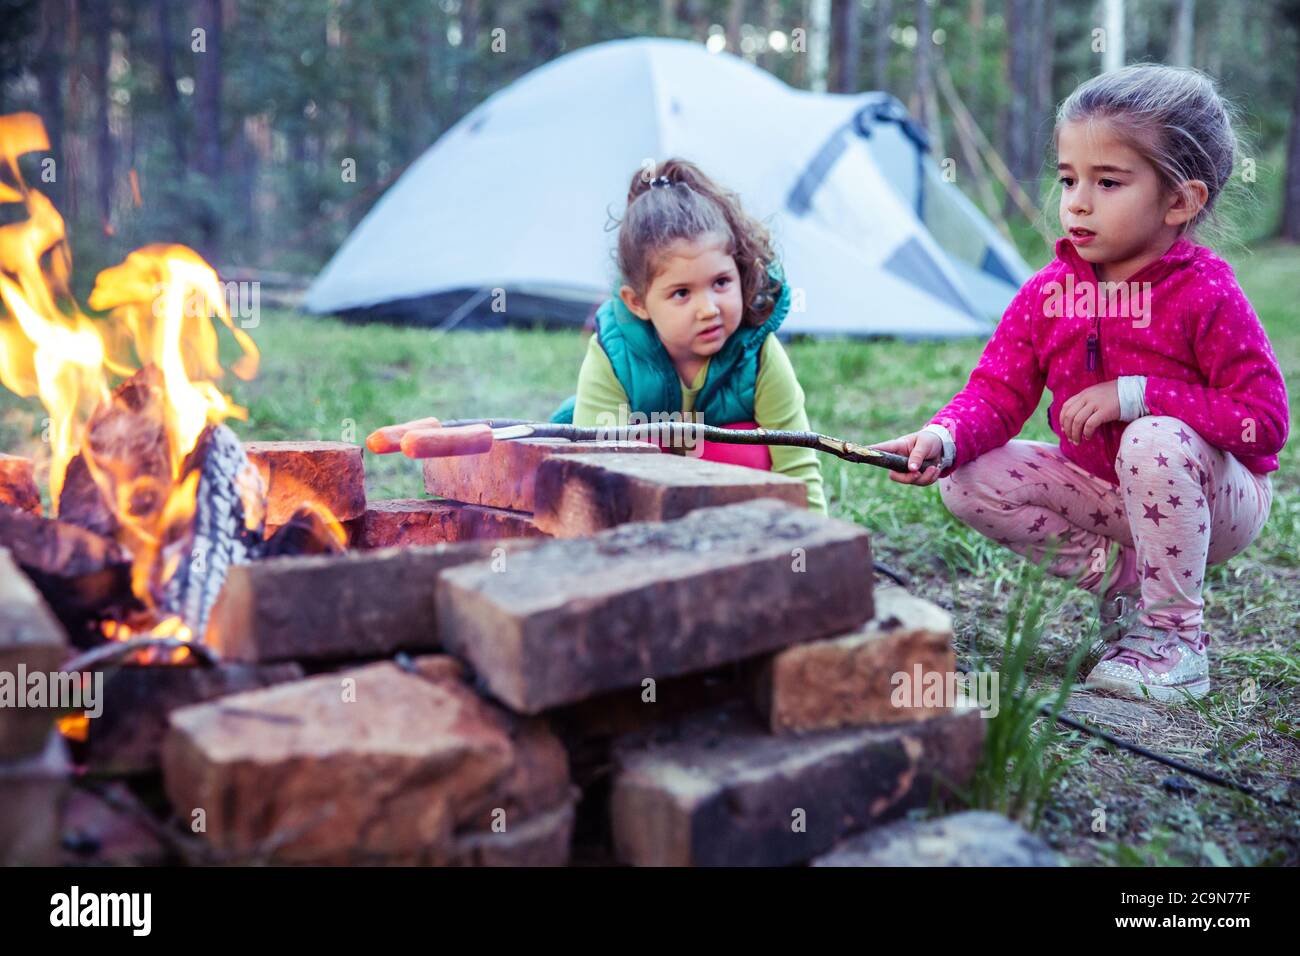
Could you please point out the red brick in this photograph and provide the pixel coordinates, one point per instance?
(566, 620)
(582, 494)
(504, 477)
(848, 681)
(327, 473)
(399, 775)
(722, 792)
(338, 607)
(420, 521)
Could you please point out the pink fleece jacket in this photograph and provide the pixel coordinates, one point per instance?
(1187, 327)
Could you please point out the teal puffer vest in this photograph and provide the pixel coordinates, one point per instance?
(644, 369)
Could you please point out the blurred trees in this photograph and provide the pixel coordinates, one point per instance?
(260, 131)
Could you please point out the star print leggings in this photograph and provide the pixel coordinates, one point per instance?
(1181, 503)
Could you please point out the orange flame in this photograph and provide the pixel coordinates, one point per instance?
(161, 302)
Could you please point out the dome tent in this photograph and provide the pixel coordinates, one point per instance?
(518, 195)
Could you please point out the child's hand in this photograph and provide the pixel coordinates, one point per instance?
(1087, 411)
(919, 447)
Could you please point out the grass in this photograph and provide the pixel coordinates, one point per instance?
(325, 379)
(1023, 756)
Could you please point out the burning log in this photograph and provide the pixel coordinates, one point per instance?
(17, 484)
(81, 503)
(225, 529)
(182, 534)
(81, 574)
(308, 531)
(124, 472)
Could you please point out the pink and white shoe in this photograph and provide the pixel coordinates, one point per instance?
(1151, 663)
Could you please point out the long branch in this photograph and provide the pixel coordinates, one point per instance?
(688, 434)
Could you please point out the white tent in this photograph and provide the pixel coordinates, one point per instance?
(518, 195)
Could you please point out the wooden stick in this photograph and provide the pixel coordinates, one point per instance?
(688, 435)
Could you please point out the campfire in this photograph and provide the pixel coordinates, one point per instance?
(153, 497)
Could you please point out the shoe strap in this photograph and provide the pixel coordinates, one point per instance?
(1152, 643)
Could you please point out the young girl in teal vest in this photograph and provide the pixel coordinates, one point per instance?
(691, 329)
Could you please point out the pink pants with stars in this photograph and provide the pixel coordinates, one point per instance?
(1181, 503)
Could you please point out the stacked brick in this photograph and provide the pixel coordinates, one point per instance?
(478, 663)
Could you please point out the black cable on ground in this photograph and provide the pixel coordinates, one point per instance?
(1208, 776)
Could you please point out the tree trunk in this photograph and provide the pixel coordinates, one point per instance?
(819, 29)
(1113, 56)
(667, 18)
(207, 90)
(735, 20)
(207, 122)
(923, 92)
(771, 20)
(1043, 105)
(103, 134)
(545, 29)
(170, 95)
(466, 94)
(846, 46)
(1020, 83)
(1291, 192)
(1181, 42)
(975, 94)
(880, 44)
(48, 68)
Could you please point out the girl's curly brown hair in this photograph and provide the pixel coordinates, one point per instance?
(692, 206)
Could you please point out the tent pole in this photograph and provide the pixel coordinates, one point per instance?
(1018, 195)
(992, 208)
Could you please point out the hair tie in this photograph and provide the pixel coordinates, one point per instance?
(660, 181)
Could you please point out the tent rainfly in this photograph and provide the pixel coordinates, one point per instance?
(518, 196)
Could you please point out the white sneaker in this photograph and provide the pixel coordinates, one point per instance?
(1151, 663)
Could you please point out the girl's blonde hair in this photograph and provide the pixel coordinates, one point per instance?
(676, 201)
(1173, 116)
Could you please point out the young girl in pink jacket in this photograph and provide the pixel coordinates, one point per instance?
(1166, 395)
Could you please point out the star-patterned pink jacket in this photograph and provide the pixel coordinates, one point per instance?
(1187, 327)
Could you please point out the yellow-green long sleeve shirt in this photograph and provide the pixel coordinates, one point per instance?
(778, 405)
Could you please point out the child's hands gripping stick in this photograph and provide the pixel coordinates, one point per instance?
(923, 451)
